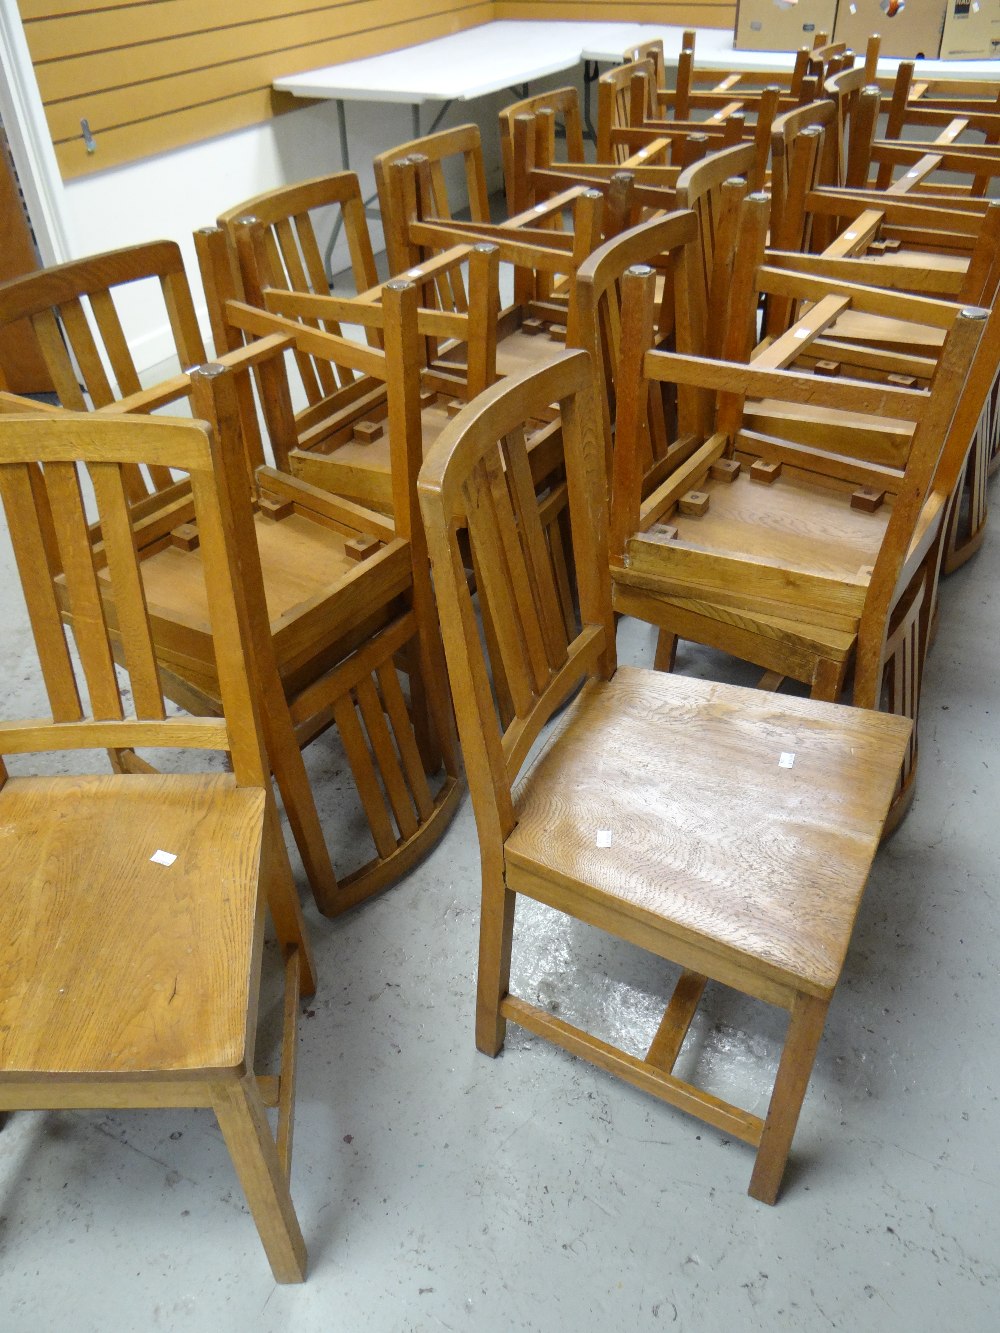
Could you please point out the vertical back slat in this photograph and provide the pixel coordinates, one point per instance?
(494, 586)
(43, 609)
(517, 568)
(402, 730)
(84, 596)
(363, 769)
(57, 362)
(537, 559)
(385, 754)
(183, 320)
(312, 259)
(81, 339)
(113, 336)
(285, 239)
(130, 599)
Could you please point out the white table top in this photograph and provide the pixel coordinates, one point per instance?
(467, 64)
(497, 55)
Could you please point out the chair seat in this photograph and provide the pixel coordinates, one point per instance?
(792, 524)
(113, 964)
(773, 878)
(793, 548)
(309, 580)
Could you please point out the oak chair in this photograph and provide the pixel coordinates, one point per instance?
(669, 863)
(338, 578)
(420, 215)
(134, 901)
(782, 534)
(393, 403)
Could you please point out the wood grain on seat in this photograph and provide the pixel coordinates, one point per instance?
(774, 877)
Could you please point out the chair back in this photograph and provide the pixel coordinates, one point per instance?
(447, 155)
(561, 107)
(652, 50)
(477, 498)
(48, 464)
(707, 187)
(625, 96)
(291, 216)
(75, 313)
(671, 245)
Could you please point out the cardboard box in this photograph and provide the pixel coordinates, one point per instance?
(907, 29)
(782, 25)
(971, 30)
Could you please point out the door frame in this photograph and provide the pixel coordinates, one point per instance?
(30, 142)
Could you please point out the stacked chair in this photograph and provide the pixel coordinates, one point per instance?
(346, 591)
(741, 384)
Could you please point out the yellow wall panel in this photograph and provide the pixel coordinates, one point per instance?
(147, 96)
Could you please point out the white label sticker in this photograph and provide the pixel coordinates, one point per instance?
(164, 858)
(414, 273)
(850, 235)
(540, 208)
(604, 837)
(853, 8)
(803, 333)
(787, 759)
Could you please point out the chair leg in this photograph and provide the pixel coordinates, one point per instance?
(496, 935)
(300, 805)
(244, 1126)
(827, 681)
(666, 651)
(283, 900)
(804, 1031)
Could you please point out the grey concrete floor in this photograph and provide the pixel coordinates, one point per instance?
(438, 1189)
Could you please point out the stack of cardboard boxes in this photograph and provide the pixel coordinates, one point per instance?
(949, 29)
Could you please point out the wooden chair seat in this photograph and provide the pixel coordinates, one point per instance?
(361, 468)
(307, 575)
(152, 967)
(707, 893)
(776, 526)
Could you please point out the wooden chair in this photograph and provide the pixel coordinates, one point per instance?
(393, 405)
(537, 176)
(343, 436)
(343, 586)
(921, 101)
(134, 902)
(720, 860)
(734, 581)
(768, 539)
(461, 149)
(907, 241)
(420, 216)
